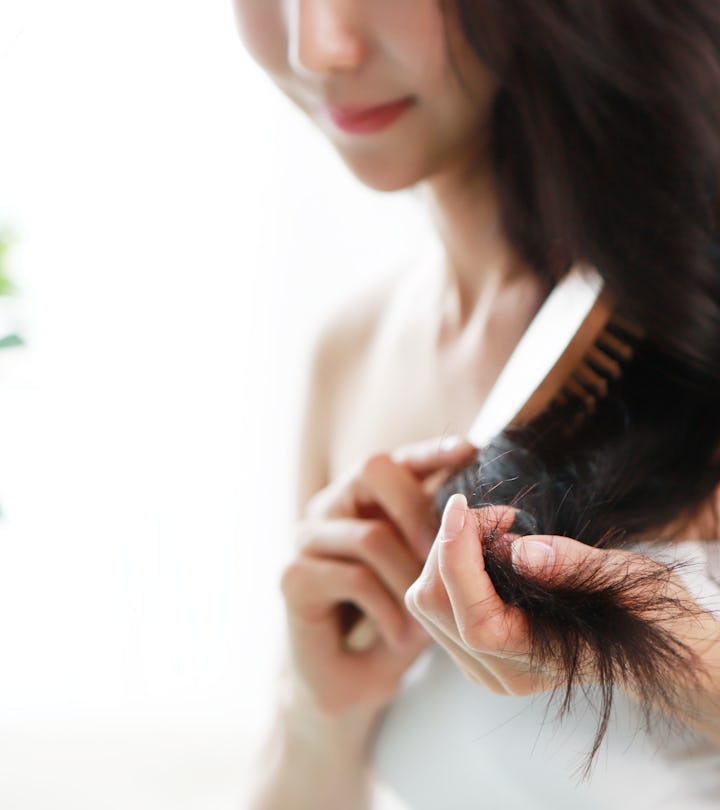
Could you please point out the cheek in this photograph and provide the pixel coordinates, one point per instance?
(263, 31)
(412, 37)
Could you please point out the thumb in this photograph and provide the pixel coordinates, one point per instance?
(551, 555)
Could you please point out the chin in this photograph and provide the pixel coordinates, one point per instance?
(395, 177)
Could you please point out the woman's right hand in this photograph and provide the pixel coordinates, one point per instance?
(364, 540)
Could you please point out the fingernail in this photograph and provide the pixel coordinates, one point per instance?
(453, 519)
(532, 555)
(524, 523)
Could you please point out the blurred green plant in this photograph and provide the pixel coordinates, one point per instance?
(7, 240)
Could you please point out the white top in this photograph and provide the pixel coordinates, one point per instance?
(447, 744)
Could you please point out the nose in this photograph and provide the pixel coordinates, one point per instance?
(325, 36)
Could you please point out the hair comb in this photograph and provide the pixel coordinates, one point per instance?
(574, 345)
(572, 348)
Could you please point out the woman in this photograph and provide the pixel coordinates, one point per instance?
(541, 135)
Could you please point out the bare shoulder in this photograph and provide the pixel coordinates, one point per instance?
(341, 345)
(351, 329)
(403, 295)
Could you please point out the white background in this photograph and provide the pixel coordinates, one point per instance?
(181, 232)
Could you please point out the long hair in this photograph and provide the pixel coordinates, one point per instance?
(605, 144)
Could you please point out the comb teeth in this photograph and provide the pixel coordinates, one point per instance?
(613, 347)
(574, 388)
(591, 380)
(604, 363)
(631, 330)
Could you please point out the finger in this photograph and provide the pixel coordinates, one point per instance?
(483, 620)
(475, 671)
(429, 591)
(402, 498)
(500, 661)
(426, 598)
(434, 460)
(373, 542)
(428, 601)
(422, 459)
(383, 484)
(498, 656)
(555, 558)
(502, 674)
(427, 457)
(314, 588)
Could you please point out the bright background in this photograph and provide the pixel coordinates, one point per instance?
(182, 231)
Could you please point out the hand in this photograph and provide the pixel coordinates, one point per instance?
(364, 541)
(457, 604)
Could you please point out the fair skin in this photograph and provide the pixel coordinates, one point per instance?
(433, 343)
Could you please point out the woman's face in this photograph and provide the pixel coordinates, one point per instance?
(339, 60)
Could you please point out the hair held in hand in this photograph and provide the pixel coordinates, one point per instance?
(606, 150)
(599, 626)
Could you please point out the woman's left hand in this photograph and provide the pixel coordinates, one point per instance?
(456, 602)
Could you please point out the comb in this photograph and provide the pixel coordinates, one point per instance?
(573, 347)
(571, 350)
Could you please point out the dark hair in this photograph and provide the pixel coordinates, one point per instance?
(606, 148)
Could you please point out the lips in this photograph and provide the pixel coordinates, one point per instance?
(368, 119)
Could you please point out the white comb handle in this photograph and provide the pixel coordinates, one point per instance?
(543, 343)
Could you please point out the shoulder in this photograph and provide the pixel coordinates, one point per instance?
(339, 350)
(352, 327)
(405, 295)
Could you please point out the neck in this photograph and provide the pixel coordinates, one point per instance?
(479, 259)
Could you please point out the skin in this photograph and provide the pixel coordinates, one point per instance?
(345, 52)
(350, 53)
(433, 342)
(457, 604)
